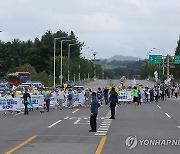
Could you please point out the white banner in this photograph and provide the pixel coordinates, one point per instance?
(125, 96)
(9, 104)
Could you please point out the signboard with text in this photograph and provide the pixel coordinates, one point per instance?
(155, 59)
(177, 59)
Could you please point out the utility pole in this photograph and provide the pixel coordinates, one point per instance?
(167, 66)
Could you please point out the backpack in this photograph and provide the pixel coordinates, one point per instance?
(70, 96)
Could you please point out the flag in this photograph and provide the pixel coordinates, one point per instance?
(134, 81)
(156, 75)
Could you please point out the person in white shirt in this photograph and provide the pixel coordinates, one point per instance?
(8, 96)
(176, 91)
(61, 97)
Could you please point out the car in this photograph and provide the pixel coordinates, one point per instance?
(3, 91)
(70, 83)
(78, 87)
(37, 84)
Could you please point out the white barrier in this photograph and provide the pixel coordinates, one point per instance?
(125, 96)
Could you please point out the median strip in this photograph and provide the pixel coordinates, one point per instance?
(101, 145)
(21, 145)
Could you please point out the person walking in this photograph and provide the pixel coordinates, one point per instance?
(113, 99)
(135, 96)
(105, 91)
(47, 99)
(61, 97)
(94, 112)
(26, 96)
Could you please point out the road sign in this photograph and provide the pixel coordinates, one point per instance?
(172, 66)
(155, 59)
(177, 59)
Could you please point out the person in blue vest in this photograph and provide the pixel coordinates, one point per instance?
(94, 112)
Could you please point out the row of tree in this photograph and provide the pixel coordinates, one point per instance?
(37, 57)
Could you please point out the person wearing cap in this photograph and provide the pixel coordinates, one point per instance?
(94, 112)
(26, 96)
(47, 99)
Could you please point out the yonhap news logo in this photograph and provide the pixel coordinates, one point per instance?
(132, 141)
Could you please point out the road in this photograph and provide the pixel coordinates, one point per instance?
(66, 131)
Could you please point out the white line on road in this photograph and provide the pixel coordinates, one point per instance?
(168, 115)
(101, 131)
(19, 113)
(178, 126)
(54, 123)
(106, 122)
(158, 106)
(104, 126)
(66, 118)
(75, 111)
(76, 122)
(100, 134)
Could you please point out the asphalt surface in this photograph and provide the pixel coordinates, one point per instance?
(66, 131)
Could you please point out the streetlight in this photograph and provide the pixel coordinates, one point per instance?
(163, 57)
(61, 69)
(55, 58)
(69, 57)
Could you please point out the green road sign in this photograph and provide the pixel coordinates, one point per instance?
(177, 59)
(155, 59)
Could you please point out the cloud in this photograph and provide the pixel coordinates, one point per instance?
(128, 27)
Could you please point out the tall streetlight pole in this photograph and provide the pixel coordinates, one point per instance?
(55, 58)
(61, 69)
(69, 47)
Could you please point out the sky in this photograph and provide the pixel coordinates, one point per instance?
(108, 27)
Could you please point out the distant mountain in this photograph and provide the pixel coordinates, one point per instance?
(123, 58)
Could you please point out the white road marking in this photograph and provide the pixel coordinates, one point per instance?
(104, 126)
(158, 106)
(106, 122)
(100, 134)
(178, 126)
(54, 123)
(66, 118)
(76, 122)
(101, 131)
(168, 115)
(75, 111)
(19, 113)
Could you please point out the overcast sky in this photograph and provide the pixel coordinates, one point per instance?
(108, 27)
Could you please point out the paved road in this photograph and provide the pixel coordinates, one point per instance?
(66, 131)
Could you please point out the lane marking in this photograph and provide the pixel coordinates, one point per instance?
(54, 123)
(75, 111)
(178, 126)
(168, 115)
(101, 145)
(76, 122)
(158, 106)
(66, 118)
(21, 145)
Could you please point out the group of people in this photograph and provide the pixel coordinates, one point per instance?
(155, 93)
